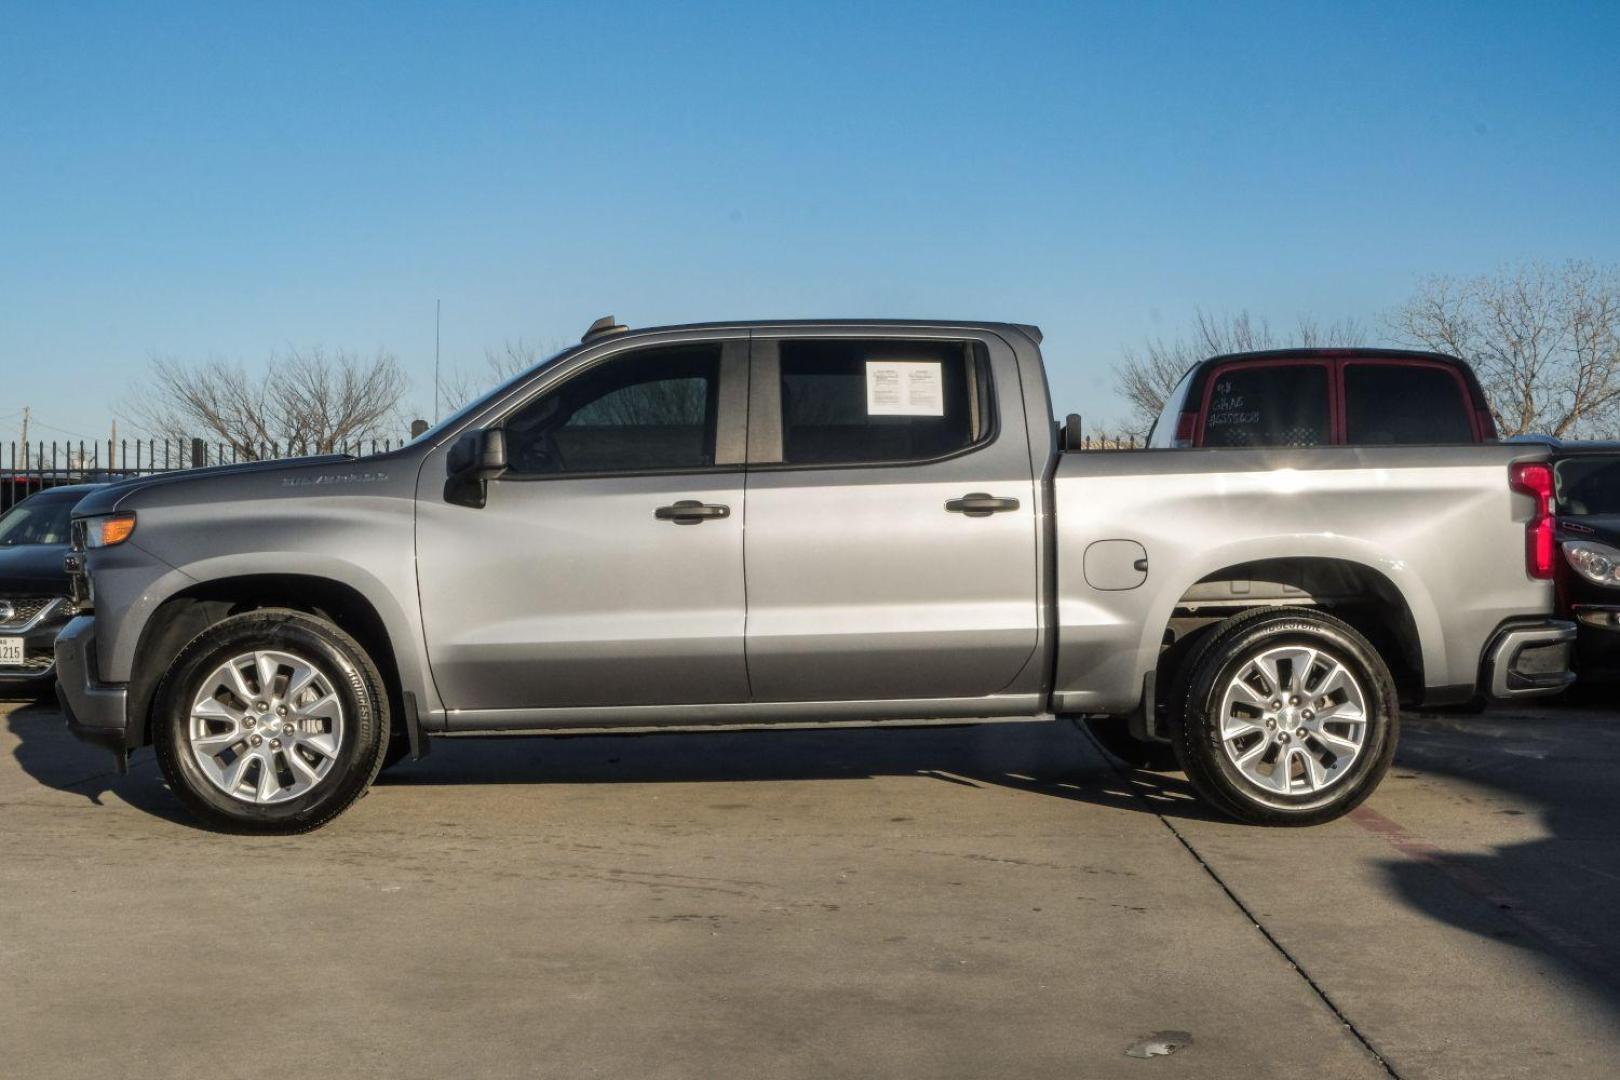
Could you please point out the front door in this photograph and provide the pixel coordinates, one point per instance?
(891, 521)
(606, 566)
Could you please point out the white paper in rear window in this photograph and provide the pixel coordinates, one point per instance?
(904, 388)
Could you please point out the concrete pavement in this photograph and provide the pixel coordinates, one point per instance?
(960, 902)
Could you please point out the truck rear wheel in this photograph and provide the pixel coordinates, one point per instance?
(1285, 717)
(271, 721)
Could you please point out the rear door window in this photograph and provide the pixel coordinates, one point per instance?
(1269, 405)
(1404, 403)
(881, 402)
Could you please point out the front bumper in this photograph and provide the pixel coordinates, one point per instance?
(1529, 659)
(39, 660)
(95, 712)
(1597, 642)
(39, 656)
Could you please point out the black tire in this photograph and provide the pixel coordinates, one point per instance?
(1113, 734)
(354, 680)
(1195, 727)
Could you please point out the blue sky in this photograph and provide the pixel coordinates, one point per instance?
(229, 179)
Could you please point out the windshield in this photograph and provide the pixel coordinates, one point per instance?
(1589, 484)
(38, 520)
(456, 418)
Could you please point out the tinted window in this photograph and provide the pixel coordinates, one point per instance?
(846, 402)
(653, 409)
(42, 519)
(1269, 405)
(1588, 485)
(1392, 403)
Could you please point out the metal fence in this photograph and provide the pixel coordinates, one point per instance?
(29, 467)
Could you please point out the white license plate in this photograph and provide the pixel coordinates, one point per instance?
(11, 650)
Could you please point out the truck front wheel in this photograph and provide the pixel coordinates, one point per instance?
(1285, 717)
(271, 721)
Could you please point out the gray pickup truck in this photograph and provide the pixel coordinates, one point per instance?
(802, 523)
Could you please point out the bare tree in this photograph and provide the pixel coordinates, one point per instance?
(515, 356)
(326, 401)
(1146, 378)
(1545, 341)
(511, 357)
(310, 400)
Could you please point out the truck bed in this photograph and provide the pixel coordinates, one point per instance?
(1435, 531)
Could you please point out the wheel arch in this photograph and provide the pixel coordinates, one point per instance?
(184, 614)
(1377, 596)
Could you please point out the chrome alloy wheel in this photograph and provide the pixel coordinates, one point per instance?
(265, 727)
(1293, 720)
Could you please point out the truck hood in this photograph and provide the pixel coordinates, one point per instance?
(1601, 528)
(123, 494)
(32, 569)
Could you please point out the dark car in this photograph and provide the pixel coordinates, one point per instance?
(1326, 397)
(1586, 480)
(34, 602)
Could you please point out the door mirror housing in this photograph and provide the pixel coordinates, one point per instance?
(473, 460)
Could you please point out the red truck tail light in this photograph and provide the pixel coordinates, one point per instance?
(1186, 428)
(1535, 478)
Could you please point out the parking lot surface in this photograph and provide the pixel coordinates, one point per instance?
(946, 902)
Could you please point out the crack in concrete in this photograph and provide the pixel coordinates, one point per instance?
(1281, 950)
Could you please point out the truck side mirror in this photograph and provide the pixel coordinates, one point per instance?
(473, 459)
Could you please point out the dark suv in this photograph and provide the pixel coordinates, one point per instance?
(34, 601)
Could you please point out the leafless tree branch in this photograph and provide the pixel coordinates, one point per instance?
(1146, 378)
(511, 357)
(310, 400)
(1544, 340)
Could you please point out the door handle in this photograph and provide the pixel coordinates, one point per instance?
(980, 504)
(691, 512)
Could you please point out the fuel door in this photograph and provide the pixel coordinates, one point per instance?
(1115, 565)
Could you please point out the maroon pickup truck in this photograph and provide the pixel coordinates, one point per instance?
(1326, 397)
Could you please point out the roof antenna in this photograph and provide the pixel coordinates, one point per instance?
(601, 328)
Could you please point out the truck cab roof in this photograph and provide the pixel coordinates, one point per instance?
(605, 326)
(1338, 353)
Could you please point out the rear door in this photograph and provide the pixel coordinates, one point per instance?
(891, 542)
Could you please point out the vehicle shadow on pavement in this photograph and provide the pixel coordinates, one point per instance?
(1554, 896)
(1045, 758)
(49, 754)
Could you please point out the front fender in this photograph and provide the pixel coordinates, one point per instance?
(121, 640)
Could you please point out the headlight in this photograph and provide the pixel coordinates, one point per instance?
(1598, 563)
(105, 530)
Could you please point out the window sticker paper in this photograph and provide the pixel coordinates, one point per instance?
(904, 388)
